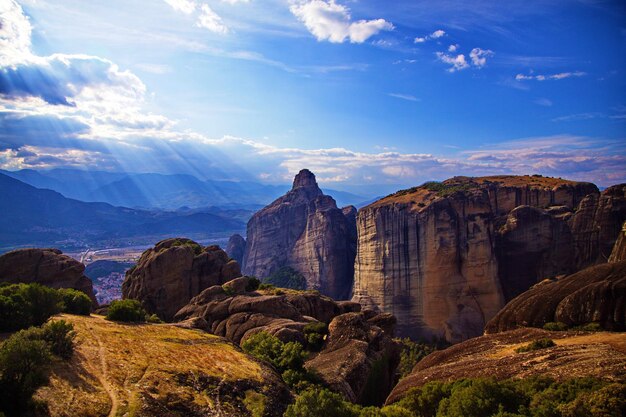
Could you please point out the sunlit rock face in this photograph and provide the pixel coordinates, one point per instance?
(445, 258)
(306, 231)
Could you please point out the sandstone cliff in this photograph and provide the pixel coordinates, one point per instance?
(619, 249)
(46, 267)
(174, 271)
(445, 257)
(306, 231)
(596, 294)
(236, 248)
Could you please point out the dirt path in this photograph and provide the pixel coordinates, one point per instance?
(102, 377)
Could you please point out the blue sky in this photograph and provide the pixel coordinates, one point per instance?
(372, 93)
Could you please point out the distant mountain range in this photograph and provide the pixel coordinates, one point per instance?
(39, 217)
(159, 191)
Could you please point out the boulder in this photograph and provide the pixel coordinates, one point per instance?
(169, 275)
(49, 267)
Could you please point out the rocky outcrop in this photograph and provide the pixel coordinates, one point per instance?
(306, 231)
(619, 249)
(46, 267)
(445, 257)
(576, 355)
(173, 272)
(236, 248)
(359, 358)
(596, 294)
(234, 312)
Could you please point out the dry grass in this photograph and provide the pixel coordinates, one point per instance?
(129, 370)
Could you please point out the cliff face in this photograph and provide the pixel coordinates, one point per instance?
(47, 267)
(306, 231)
(236, 247)
(174, 271)
(444, 258)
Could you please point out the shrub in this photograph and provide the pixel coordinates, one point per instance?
(315, 334)
(543, 343)
(59, 335)
(287, 277)
(590, 327)
(24, 366)
(75, 302)
(126, 311)
(25, 305)
(321, 402)
(411, 354)
(555, 326)
(480, 397)
(255, 403)
(264, 286)
(253, 284)
(269, 348)
(154, 319)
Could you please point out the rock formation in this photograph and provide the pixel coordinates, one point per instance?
(306, 231)
(46, 267)
(596, 294)
(358, 358)
(236, 248)
(173, 272)
(619, 249)
(445, 257)
(576, 355)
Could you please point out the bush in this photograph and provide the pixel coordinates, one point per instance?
(590, 327)
(315, 334)
(411, 354)
(75, 302)
(555, 326)
(24, 367)
(287, 277)
(268, 287)
(154, 319)
(253, 284)
(320, 403)
(543, 343)
(269, 348)
(59, 335)
(480, 397)
(126, 311)
(25, 305)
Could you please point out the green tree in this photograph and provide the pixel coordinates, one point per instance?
(321, 403)
(126, 311)
(60, 335)
(24, 367)
(75, 302)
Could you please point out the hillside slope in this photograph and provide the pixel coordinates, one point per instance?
(151, 369)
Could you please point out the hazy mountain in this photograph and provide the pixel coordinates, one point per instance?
(39, 217)
(159, 190)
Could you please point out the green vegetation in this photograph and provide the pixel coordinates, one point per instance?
(411, 354)
(126, 311)
(531, 397)
(25, 360)
(255, 403)
(543, 343)
(555, 326)
(25, 305)
(590, 327)
(197, 249)
(75, 302)
(286, 277)
(154, 319)
(445, 190)
(253, 284)
(315, 334)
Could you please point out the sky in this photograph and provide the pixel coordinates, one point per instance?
(369, 95)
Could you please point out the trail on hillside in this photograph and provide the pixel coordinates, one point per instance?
(102, 377)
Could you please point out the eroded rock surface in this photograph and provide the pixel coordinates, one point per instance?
(236, 248)
(173, 272)
(596, 294)
(306, 231)
(444, 258)
(48, 267)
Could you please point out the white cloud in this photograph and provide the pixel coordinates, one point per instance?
(457, 62)
(184, 6)
(541, 77)
(453, 48)
(15, 34)
(479, 56)
(208, 19)
(330, 21)
(544, 102)
(235, 1)
(406, 97)
(435, 35)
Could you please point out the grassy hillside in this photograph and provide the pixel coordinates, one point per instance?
(158, 369)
